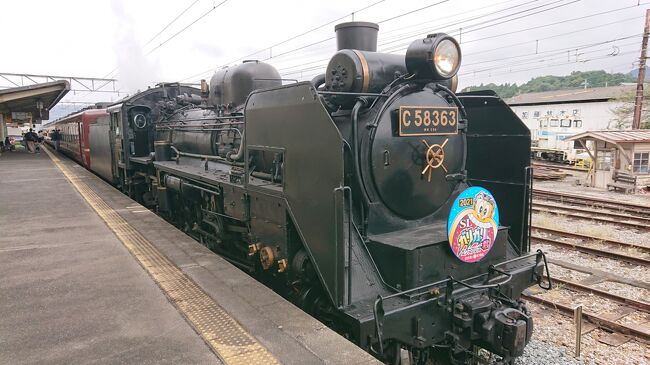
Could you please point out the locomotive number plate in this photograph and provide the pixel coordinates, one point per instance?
(427, 120)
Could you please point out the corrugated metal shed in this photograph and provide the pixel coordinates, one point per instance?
(616, 136)
(572, 96)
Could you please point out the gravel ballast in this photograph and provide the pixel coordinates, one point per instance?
(541, 353)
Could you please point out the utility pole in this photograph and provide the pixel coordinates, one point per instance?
(638, 103)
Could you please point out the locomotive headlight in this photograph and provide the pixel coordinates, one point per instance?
(435, 57)
(446, 58)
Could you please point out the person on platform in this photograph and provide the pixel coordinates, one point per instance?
(39, 140)
(8, 144)
(30, 140)
(56, 137)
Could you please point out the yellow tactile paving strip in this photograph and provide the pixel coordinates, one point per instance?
(232, 343)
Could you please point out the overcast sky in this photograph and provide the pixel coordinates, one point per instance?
(502, 40)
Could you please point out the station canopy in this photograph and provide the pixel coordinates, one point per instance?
(35, 100)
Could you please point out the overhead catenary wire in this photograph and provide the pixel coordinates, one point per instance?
(556, 50)
(462, 22)
(421, 32)
(214, 7)
(324, 60)
(562, 22)
(536, 57)
(212, 69)
(299, 71)
(550, 57)
(493, 49)
(500, 19)
(511, 70)
(170, 23)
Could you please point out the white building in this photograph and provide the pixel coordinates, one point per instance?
(553, 116)
(594, 105)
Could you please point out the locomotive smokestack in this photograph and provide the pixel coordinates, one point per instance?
(357, 35)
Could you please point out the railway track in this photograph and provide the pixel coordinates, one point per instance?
(602, 217)
(639, 260)
(636, 304)
(608, 213)
(637, 331)
(559, 166)
(618, 244)
(593, 202)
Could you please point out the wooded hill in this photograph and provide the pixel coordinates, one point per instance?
(549, 83)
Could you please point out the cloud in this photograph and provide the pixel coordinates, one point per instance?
(134, 69)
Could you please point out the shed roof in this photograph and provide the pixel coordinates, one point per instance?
(572, 95)
(615, 136)
(25, 98)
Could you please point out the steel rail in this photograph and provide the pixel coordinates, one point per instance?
(562, 167)
(594, 251)
(585, 237)
(593, 201)
(636, 225)
(588, 211)
(637, 304)
(636, 331)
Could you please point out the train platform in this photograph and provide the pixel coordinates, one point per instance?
(88, 276)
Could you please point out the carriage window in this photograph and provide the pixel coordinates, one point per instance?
(577, 123)
(565, 123)
(641, 162)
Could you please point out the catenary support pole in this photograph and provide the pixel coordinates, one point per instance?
(638, 102)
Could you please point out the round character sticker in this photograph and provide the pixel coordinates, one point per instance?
(473, 224)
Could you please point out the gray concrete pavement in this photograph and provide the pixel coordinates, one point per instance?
(70, 293)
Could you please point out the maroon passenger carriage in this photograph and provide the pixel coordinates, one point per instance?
(77, 133)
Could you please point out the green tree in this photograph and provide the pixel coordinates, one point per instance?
(549, 83)
(624, 113)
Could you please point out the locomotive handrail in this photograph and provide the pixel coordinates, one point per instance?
(460, 105)
(347, 189)
(351, 94)
(443, 281)
(196, 155)
(378, 307)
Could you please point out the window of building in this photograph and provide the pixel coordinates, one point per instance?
(543, 123)
(555, 122)
(604, 160)
(536, 114)
(641, 162)
(577, 123)
(566, 123)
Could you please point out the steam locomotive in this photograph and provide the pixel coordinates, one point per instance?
(373, 197)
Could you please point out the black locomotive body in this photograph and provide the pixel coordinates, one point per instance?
(338, 192)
